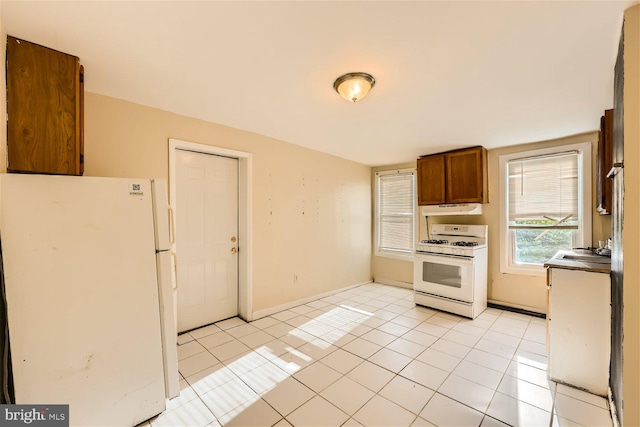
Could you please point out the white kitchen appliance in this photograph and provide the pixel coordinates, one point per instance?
(450, 269)
(88, 295)
(452, 209)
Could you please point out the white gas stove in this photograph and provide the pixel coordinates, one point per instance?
(462, 240)
(450, 269)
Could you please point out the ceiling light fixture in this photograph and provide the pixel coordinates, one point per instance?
(354, 86)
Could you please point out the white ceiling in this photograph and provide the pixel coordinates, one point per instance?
(449, 74)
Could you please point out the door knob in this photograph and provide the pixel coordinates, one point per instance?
(234, 250)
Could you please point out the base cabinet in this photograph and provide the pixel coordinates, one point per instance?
(580, 329)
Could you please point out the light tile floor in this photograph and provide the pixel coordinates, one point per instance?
(369, 356)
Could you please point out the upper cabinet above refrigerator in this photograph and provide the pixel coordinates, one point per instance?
(45, 97)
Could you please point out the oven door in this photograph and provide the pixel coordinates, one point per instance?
(443, 275)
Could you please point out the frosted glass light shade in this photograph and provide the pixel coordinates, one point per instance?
(354, 86)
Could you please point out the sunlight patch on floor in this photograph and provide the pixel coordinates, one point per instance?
(265, 367)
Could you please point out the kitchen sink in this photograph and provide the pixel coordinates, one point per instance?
(586, 258)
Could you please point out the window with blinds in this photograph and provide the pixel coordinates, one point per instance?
(543, 192)
(544, 205)
(395, 212)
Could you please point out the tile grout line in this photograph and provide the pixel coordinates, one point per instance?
(451, 373)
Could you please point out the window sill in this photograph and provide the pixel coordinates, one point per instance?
(404, 256)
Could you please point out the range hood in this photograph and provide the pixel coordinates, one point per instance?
(452, 209)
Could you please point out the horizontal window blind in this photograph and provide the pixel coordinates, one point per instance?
(396, 210)
(543, 192)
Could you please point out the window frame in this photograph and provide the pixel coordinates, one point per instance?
(581, 237)
(396, 254)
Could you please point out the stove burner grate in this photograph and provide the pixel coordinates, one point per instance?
(462, 243)
(435, 242)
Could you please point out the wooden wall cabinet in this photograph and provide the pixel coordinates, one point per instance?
(45, 97)
(604, 197)
(458, 176)
(431, 180)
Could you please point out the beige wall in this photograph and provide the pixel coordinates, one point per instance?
(390, 270)
(510, 289)
(631, 224)
(311, 211)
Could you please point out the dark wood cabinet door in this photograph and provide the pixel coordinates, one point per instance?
(44, 110)
(81, 122)
(431, 181)
(466, 176)
(605, 163)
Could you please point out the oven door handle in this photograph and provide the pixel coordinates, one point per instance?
(462, 258)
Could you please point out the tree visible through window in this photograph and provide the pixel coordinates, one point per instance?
(533, 249)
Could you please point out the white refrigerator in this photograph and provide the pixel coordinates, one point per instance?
(89, 295)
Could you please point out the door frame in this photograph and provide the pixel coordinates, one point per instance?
(245, 171)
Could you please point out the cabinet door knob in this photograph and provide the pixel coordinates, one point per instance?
(614, 170)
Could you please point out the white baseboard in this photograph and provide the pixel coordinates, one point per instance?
(392, 282)
(521, 307)
(269, 311)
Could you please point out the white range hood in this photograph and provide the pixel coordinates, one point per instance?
(452, 209)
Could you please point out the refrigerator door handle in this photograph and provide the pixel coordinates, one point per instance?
(175, 269)
(172, 229)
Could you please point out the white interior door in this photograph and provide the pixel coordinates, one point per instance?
(206, 238)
